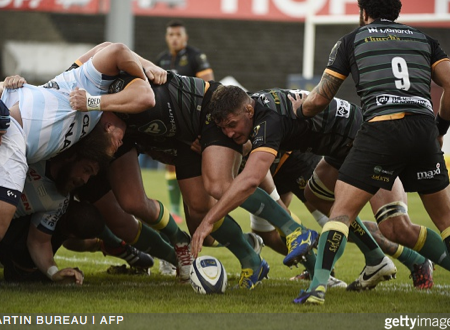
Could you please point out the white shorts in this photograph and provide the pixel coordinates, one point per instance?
(13, 161)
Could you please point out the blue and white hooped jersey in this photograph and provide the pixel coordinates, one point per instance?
(49, 123)
(41, 199)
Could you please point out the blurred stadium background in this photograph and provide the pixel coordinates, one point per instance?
(260, 43)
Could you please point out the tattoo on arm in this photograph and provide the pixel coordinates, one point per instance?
(328, 86)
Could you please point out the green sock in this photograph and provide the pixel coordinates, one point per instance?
(167, 225)
(109, 239)
(262, 205)
(230, 235)
(332, 243)
(408, 257)
(361, 236)
(150, 241)
(431, 246)
(174, 193)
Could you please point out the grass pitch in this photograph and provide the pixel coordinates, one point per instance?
(105, 293)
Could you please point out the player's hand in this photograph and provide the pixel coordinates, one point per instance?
(156, 74)
(199, 236)
(196, 147)
(78, 99)
(296, 100)
(69, 276)
(14, 82)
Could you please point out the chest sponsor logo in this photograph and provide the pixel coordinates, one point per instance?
(426, 175)
(155, 127)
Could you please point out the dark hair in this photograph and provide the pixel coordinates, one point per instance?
(226, 100)
(387, 9)
(94, 146)
(82, 220)
(175, 23)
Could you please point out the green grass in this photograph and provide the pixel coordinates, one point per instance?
(104, 293)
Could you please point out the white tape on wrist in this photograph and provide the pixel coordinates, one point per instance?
(52, 270)
(274, 195)
(93, 102)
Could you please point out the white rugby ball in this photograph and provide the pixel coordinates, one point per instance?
(208, 275)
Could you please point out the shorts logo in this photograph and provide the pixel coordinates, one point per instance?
(11, 193)
(429, 174)
(301, 182)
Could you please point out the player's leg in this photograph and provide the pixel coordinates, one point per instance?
(13, 170)
(349, 202)
(174, 193)
(319, 192)
(438, 207)
(135, 201)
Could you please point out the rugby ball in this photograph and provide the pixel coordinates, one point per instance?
(208, 275)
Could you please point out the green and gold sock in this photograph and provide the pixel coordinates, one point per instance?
(332, 243)
(230, 235)
(150, 241)
(166, 224)
(361, 236)
(262, 205)
(174, 192)
(432, 247)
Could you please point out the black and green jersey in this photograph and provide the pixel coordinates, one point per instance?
(391, 65)
(177, 114)
(276, 128)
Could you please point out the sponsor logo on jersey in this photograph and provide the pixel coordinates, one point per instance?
(385, 99)
(259, 134)
(389, 30)
(343, 108)
(378, 39)
(275, 96)
(426, 175)
(116, 86)
(183, 61)
(52, 84)
(155, 127)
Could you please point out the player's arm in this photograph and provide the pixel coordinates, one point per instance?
(138, 96)
(321, 96)
(40, 249)
(256, 168)
(206, 75)
(441, 76)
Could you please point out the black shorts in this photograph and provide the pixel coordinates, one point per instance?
(405, 148)
(295, 172)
